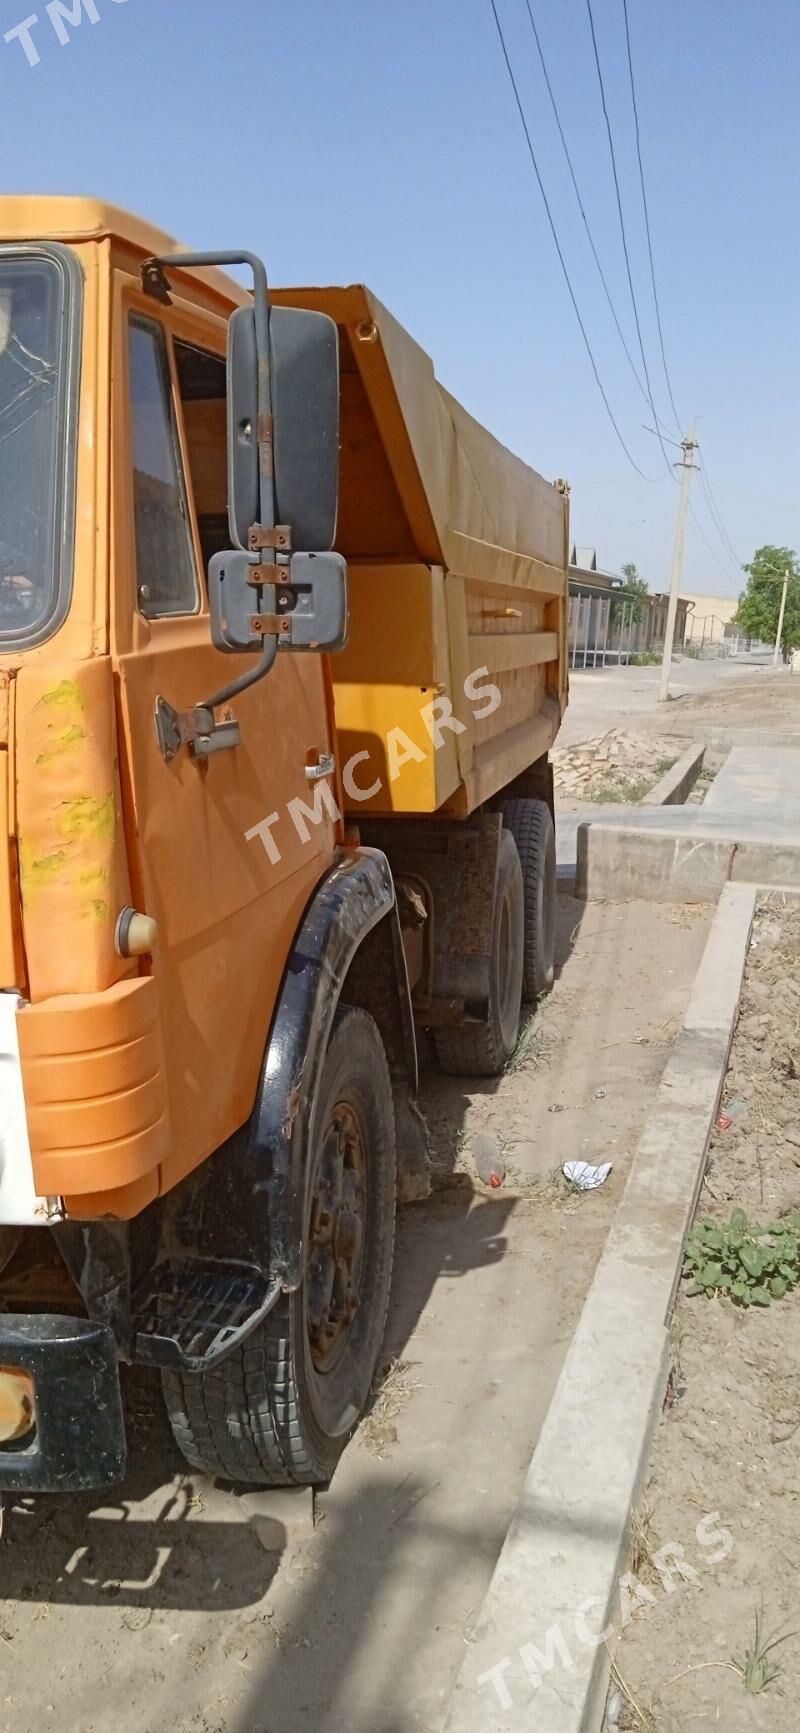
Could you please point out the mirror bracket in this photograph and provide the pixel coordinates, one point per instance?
(154, 282)
(278, 539)
(197, 728)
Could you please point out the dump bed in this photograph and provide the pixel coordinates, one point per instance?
(457, 555)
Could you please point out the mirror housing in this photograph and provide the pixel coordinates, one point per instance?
(304, 364)
(305, 609)
(283, 364)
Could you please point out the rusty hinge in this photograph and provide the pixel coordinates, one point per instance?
(279, 539)
(261, 625)
(258, 575)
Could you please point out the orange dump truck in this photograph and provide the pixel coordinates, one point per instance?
(282, 653)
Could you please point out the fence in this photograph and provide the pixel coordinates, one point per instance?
(602, 629)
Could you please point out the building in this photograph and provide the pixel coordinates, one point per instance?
(709, 618)
(607, 624)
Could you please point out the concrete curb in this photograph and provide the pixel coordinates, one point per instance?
(682, 864)
(725, 739)
(568, 1540)
(673, 787)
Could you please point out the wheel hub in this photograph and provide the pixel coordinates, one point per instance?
(336, 1237)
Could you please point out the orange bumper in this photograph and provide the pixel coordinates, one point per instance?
(95, 1094)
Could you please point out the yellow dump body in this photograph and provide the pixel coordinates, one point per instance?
(457, 554)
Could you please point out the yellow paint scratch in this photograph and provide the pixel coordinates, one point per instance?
(64, 739)
(39, 871)
(67, 693)
(85, 818)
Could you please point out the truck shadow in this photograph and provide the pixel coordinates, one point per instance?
(164, 1539)
(168, 1539)
(387, 1616)
(171, 1540)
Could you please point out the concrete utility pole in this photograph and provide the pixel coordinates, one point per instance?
(779, 634)
(689, 445)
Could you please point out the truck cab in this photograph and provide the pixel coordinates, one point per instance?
(213, 950)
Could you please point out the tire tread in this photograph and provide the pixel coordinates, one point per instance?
(243, 1420)
(531, 826)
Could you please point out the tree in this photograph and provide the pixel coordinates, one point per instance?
(759, 604)
(634, 592)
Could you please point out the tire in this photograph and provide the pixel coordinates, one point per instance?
(484, 1049)
(531, 826)
(280, 1410)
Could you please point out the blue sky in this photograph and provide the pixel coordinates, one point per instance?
(379, 142)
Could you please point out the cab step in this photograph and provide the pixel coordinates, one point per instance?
(190, 1316)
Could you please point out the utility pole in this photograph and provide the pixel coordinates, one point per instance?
(689, 445)
(779, 634)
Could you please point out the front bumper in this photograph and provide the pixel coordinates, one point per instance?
(79, 1441)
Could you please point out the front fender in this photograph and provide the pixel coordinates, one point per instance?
(357, 894)
(245, 1205)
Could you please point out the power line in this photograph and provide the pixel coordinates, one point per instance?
(771, 500)
(562, 261)
(716, 513)
(718, 524)
(715, 557)
(647, 214)
(581, 207)
(622, 227)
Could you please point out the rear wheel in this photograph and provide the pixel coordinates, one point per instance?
(484, 1049)
(531, 826)
(281, 1409)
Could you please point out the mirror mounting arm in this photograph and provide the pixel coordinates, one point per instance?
(154, 282)
(191, 727)
(198, 728)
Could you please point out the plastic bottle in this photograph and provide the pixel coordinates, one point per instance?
(488, 1161)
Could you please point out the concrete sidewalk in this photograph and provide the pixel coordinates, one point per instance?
(748, 828)
(763, 782)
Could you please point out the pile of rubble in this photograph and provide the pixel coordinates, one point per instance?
(619, 766)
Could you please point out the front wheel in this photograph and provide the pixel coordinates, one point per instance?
(281, 1408)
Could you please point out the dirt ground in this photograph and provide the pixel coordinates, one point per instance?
(726, 695)
(730, 1443)
(762, 698)
(155, 1608)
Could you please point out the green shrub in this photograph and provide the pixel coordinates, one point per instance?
(753, 1265)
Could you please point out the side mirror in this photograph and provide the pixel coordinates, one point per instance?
(301, 605)
(306, 609)
(304, 362)
(274, 590)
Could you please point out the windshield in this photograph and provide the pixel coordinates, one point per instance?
(35, 549)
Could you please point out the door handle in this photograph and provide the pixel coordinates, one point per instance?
(324, 766)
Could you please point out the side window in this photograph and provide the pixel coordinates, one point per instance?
(165, 568)
(202, 383)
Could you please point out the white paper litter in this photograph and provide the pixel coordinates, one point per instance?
(585, 1177)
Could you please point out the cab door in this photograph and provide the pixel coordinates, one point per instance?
(218, 857)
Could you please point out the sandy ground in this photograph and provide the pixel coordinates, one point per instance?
(157, 1608)
(730, 1442)
(737, 697)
